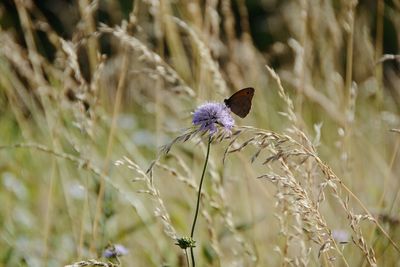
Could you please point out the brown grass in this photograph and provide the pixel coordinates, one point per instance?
(90, 91)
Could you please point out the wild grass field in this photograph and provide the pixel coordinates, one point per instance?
(100, 163)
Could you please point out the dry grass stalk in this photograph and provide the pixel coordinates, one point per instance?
(159, 209)
(162, 68)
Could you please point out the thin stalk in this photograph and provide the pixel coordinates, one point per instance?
(379, 47)
(198, 200)
(110, 143)
(187, 258)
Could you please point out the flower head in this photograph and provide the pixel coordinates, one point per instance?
(341, 236)
(209, 114)
(114, 251)
(185, 242)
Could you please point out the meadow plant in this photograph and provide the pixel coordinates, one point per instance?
(89, 90)
(208, 119)
(114, 251)
(208, 116)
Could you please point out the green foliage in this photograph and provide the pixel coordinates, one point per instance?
(89, 92)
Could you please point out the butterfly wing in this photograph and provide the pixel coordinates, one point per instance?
(240, 102)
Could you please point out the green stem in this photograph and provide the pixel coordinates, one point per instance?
(187, 258)
(198, 200)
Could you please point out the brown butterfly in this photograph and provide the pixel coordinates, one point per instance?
(240, 102)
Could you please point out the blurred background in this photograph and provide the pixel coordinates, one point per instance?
(84, 84)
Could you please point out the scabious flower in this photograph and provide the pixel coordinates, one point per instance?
(208, 115)
(114, 251)
(185, 242)
(341, 236)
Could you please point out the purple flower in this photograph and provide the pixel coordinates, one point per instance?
(114, 251)
(341, 236)
(209, 114)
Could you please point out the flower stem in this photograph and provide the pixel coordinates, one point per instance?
(198, 200)
(187, 258)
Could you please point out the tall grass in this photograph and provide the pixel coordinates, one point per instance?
(90, 92)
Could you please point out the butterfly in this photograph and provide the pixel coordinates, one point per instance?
(240, 102)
